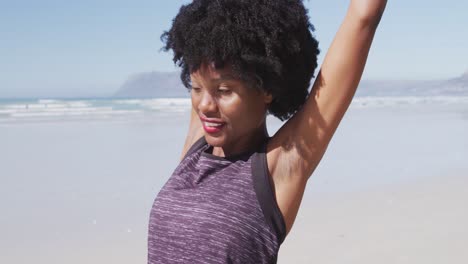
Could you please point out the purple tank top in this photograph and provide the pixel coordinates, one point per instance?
(216, 210)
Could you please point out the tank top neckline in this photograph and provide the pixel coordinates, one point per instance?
(207, 151)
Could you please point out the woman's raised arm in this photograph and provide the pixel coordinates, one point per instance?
(297, 148)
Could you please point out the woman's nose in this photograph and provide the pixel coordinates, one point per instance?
(207, 104)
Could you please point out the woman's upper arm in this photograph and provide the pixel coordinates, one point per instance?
(195, 132)
(297, 148)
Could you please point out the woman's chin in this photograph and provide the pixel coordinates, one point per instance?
(215, 140)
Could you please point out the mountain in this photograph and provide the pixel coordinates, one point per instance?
(451, 87)
(153, 84)
(168, 84)
(459, 84)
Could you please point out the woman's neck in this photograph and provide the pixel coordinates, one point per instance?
(253, 141)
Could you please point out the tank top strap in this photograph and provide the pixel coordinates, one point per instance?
(198, 145)
(265, 192)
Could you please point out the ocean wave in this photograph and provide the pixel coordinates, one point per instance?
(363, 102)
(99, 112)
(156, 102)
(54, 109)
(51, 109)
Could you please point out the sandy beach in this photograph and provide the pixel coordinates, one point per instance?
(419, 222)
(78, 188)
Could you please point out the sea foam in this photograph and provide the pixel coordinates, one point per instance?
(69, 109)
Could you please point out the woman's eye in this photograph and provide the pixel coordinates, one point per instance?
(224, 91)
(196, 89)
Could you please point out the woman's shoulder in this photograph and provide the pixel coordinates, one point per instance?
(194, 146)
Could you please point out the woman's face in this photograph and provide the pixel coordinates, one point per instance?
(231, 113)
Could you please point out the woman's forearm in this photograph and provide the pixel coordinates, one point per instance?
(369, 11)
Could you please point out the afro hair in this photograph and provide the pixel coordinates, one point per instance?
(268, 43)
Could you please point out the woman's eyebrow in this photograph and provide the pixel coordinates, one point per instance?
(222, 77)
(226, 77)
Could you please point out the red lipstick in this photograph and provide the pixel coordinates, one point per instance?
(212, 125)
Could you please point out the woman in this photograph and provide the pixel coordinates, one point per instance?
(236, 193)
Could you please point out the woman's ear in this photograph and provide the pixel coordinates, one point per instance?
(268, 98)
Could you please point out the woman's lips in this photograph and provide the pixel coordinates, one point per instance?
(211, 126)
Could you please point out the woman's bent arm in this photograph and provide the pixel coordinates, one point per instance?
(296, 149)
(194, 133)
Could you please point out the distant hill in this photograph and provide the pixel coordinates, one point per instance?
(452, 87)
(168, 84)
(153, 84)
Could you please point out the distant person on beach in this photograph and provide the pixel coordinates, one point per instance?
(236, 192)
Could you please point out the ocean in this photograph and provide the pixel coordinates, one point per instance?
(79, 175)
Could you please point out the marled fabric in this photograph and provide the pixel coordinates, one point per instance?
(209, 212)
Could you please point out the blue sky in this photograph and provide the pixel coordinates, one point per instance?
(89, 48)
